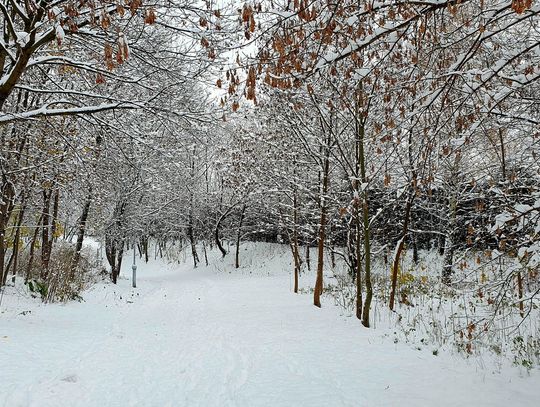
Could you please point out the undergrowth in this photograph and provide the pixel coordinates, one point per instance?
(61, 283)
(479, 314)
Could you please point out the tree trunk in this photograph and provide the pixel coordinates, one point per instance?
(358, 267)
(320, 260)
(415, 248)
(80, 236)
(193, 245)
(216, 230)
(32, 250)
(399, 249)
(332, 251)
(218, 242)
(145, 248)
(6, 207)
(216, 236)
(110, 253)
(448, 259)
(294, 243)
(205, 254)
(412, 190)
(238, 236)
(520, 294)
(449, 245)
(503, 154)
(362, 198)
(120, 255)
(49, 228)
(365, 224)
(47, 194)
(322, 227)
(114, 250)
(367, 261)
(308, 261)
(14, 259)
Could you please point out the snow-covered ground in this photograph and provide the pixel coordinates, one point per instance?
(217, 337)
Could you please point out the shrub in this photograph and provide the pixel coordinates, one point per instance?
(60, 282)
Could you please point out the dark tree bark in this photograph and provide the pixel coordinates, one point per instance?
(193, 246)
(48, 228)
(238, 236)
(412, 189)
(14, 259)
(115, 240)
(144, 242)
(218, 241)
(218, 225)
(308, 261)
(399, 249)
(6, 208)
(81, 230)
(294, 243)
(32, 250)
(205, 253)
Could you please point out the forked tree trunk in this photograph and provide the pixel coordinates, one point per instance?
(218, 225)
(406, 219)
(399, 249)
(293, 245)
(362, 199)
(114, 250)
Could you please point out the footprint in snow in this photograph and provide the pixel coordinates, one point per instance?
(72, 378)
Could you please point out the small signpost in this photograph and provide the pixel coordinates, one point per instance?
(134, 268)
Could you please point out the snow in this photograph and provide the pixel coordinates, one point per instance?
(216, 336)
(56, 11)
(45, 110)
(22, 38)
(60, 34)
(458, 142)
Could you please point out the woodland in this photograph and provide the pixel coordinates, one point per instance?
(366, 137)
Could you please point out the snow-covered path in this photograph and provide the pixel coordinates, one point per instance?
(211, 339)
